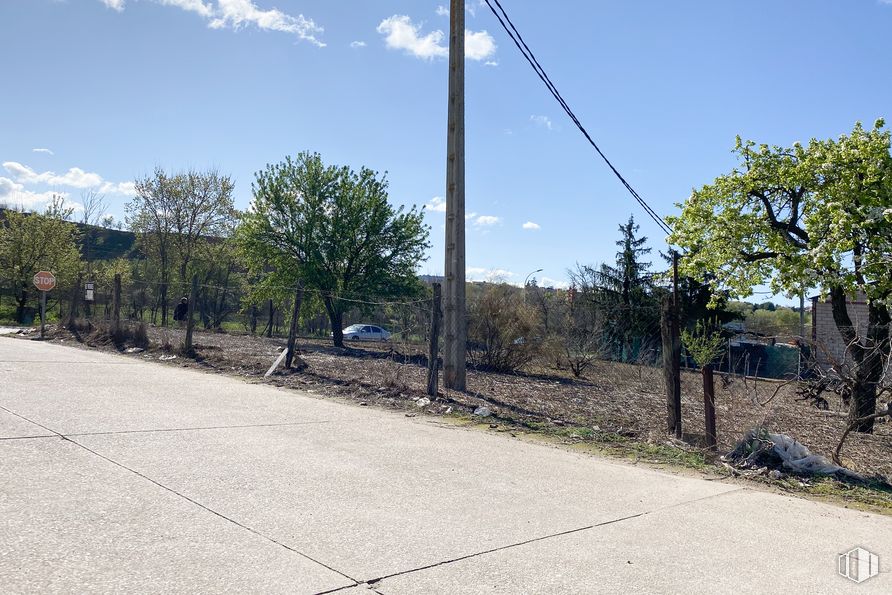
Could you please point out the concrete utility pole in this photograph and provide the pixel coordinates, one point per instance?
(456, 324)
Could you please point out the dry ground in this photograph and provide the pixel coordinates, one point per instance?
(615, 399)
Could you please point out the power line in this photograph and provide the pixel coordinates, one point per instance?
(517, 38)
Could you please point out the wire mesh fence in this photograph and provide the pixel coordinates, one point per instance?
(537, 358)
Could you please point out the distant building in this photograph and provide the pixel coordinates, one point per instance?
(829, 345)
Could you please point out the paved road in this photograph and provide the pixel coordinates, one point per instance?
(123, 476)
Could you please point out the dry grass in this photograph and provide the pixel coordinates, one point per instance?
(613, 398)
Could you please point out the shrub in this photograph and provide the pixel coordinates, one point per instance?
(135, 335)
(502, 330)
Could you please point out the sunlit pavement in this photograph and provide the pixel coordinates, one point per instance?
(119, 475)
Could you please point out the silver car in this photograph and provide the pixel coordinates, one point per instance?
(365, 332)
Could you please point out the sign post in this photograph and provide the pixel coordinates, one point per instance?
(44, 281)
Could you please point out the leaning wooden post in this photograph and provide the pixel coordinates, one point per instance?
(671, 366)
(116, 304)
(292, 332)
(190, 315)
(709, 406)
(433, 364)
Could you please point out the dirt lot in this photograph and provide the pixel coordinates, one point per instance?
(614, 399)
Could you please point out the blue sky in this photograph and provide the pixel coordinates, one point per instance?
(99, 92)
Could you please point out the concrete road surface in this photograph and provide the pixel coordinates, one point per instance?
(118, 475)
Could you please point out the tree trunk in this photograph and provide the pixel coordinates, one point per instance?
(870, 370)
(269, 326)
(21, 301)
(336, 318)
(190, 316)
(220, 306)
(164, 304)
(75, 299)
(869, 355)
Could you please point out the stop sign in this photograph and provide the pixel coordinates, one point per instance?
(44, 280)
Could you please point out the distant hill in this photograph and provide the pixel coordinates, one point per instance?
(107, 244)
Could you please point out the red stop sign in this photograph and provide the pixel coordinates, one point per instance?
(44, 280)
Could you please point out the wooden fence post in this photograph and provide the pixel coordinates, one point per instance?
(116, 304)
(671, 366)
(190, 315)
(433, 364)
(292, 332)
(709, 405)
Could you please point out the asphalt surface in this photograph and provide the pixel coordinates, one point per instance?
(118, 475)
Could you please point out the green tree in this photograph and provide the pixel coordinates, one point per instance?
(802, 217)
(174, 216)
(29, 243)
(333, 229)
(622, 296)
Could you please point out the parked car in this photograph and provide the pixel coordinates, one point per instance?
(365, 332)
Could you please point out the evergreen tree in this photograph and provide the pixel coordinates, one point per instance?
(622, 297)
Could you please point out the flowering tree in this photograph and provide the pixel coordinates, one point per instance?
(815, 216)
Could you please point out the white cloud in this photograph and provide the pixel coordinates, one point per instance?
(490, 275)
(75, 177)
(236, 14)
(125, 188)
(436, 205)
(13, 194)
(7, 187)
(22, 173)
(198, 6)
(400, 33)
(479, 45)
(543, 121)
(498, 275)
(555, 283)
(491, 63)
(47, 151)
(357, 44)
(114, 4)
(531, 225)
(486, 220)
(443, 11)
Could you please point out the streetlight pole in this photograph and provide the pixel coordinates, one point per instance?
(525, 283)
(530, 275)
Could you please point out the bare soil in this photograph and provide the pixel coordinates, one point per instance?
(613, 398)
